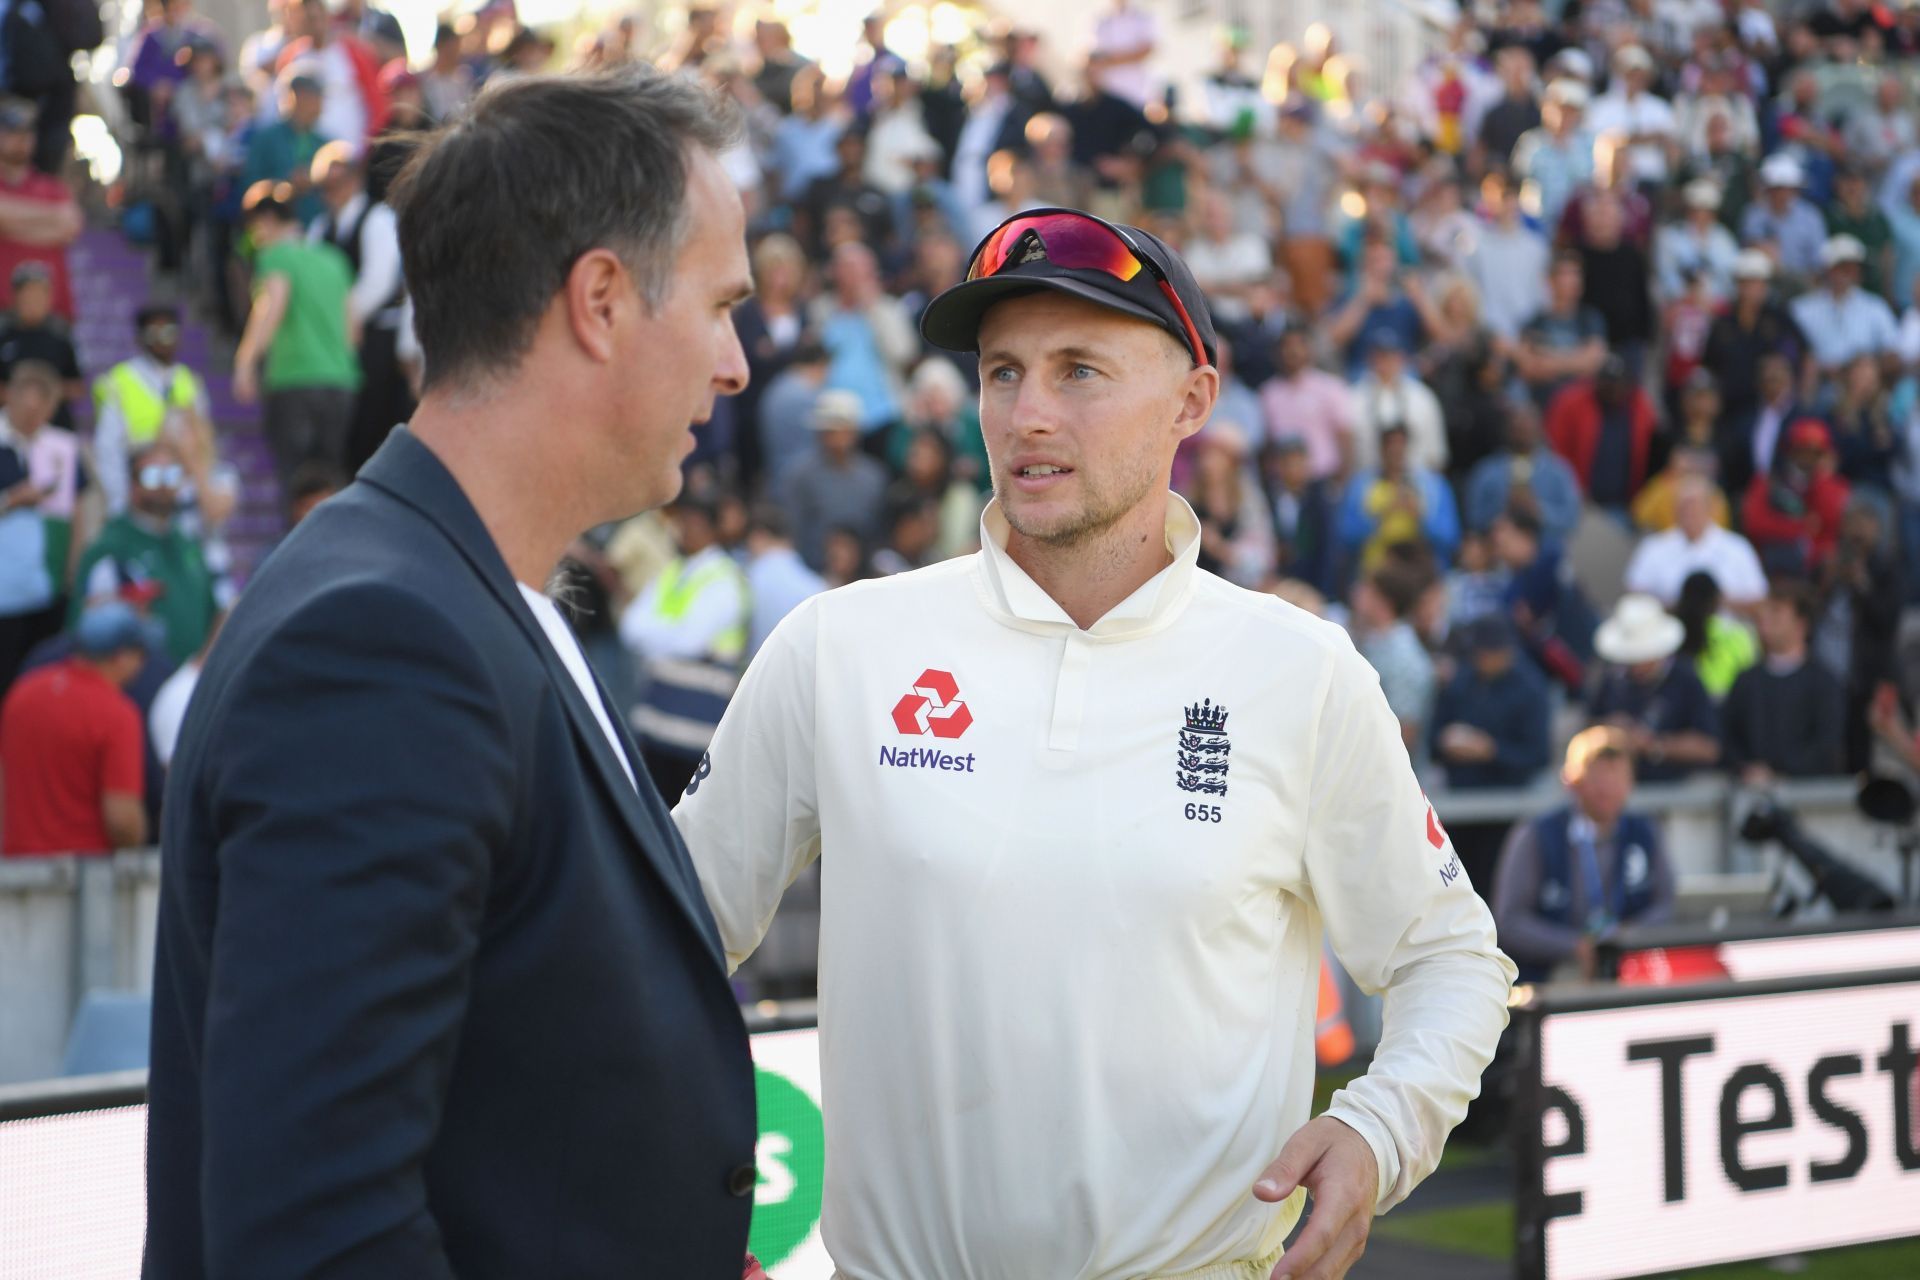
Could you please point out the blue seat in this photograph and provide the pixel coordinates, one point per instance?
(109, 1033)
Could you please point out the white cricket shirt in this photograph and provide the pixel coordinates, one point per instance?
(1072, 896)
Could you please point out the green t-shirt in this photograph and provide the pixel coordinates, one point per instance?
(185, 606)
(310, 349)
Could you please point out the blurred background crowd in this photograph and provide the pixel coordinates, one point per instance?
(1572, 362)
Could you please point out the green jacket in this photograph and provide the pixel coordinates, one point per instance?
(172, 561)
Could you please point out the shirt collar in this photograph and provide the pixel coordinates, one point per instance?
(1016, 599)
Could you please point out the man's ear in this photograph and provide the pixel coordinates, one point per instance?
(597, 291)
(1201, 391)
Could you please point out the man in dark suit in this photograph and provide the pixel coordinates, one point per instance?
(437, 993)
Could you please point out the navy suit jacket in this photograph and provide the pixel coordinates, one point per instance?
(436, 990)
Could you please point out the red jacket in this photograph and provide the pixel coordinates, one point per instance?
(1817, 529)
(1573, 431)
(366, 73)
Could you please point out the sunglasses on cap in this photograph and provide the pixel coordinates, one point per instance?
(1082, 242)
(161, 476)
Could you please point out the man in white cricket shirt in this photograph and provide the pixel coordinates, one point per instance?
(1085, 812)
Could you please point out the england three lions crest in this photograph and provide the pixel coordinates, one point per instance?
(1203, 750)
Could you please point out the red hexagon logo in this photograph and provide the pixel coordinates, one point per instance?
(933, 707)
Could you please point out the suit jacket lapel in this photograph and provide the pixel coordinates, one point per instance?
(408, 471)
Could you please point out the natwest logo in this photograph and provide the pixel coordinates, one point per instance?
(933, 707)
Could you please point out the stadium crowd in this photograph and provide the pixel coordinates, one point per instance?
(1577, 373)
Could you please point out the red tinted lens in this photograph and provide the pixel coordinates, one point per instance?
(1073, 242)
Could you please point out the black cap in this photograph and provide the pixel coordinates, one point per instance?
(1489, 634)
(952, 320)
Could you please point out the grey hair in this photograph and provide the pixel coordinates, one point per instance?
(495, 210)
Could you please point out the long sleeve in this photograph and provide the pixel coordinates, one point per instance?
(752, 823)
(1525, 934)
(352, 900)
(379, 276)
(1665, 888)
(110, 452)
(1523, 747)
(1816, 752)
(1402, 918)
(1440, 520)
(1558, 493)
(691, 634)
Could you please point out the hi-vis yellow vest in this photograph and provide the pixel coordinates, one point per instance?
(141, 409)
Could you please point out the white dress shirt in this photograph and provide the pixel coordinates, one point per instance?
(1070, 937)
(1664, 561)
(566, 646)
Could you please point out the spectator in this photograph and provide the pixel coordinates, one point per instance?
(687, 628)
(778, 580)
(168, 711)
(57, 473)
(1864, 590)
(1297, 176)
(1236, 537)
(1756, 326)
(1381, 602)
(381, 31)
(834, 486)
(149, 397)
(1308, 404)
(1302, 514)
(144, 549)
(1651, 695)
(1510, 262)
(1541, 602)
(1793, 514)
(1842, 320)
(1663, 562)
(785, 410)
(845, 557)
(299, 328)
(1397, 502)
(1854, 213)
(38, 215)
(1233, 268)
(1876, 135)
(72, 763)
(1388, 395)
(1569, 879)
(1693, 456)
(447, 85)
(1528, 473)
(363, 229)
(929, 472)
(1466, 367)
(1490, 723)
(939, 402)
(355, 105)
(1377, 303)
(1556, 159)
(1719, 647)
(1616, 277)
(1783, 717)
(283, 152)
(1726, 162)
(1784, 222)
(846, 192)
(1516, 111)
(1604, 428)
(30, 332)
(1630, 108)
(779, 64)
(868, 337)
(771, 325)
(1869, 444)
(1698, 244)
(1565, 341)
(29, 605)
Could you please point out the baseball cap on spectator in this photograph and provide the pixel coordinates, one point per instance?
(17, 115)
(1568, 93)
(1489, 634)
(32, 272)
(1633, 58)
(1572, 62)
(1701, 379)
(835, 409)
(108, 628)
(305, 82)
(1781, 170)
(1298, 107)
(1752, 264)
(1841, 249)
(1224, 435)
(1808, 433)
(952, 320)
(1290, 444)
(1385, 340)
(1702, 193)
